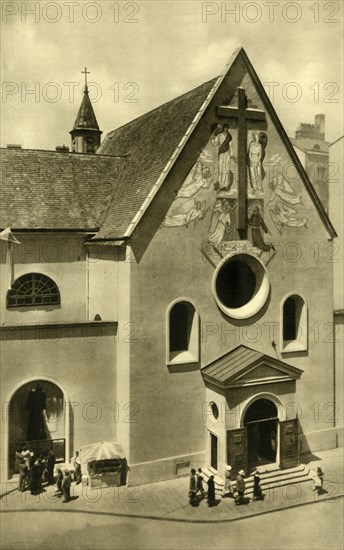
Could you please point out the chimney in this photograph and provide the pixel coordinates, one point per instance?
(62, 148)
(13, 146)
(319, 121)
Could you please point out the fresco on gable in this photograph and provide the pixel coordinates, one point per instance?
(213, 176)
(283, 204)
(208, 198)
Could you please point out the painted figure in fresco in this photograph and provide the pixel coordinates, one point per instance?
(281, 189)
(283, 215)
(255, 157)
(36, 407)
(186, 213)
(282, 203)
(256, 222)
(222, 228)
(201, 178)
(196, 212)
(222, 139)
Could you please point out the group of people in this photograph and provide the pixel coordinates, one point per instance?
(34, 471)
(196, 488)
(197, 491)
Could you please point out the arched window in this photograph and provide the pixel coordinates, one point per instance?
(294, 324)
(182, 333)
(33, 289)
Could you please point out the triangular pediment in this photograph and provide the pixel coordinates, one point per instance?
(244, 366)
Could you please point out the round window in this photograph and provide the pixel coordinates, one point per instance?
(241, 286)
(214, 409)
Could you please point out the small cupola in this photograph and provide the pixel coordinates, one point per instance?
(86, 133)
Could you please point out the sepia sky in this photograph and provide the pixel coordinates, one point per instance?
(142, 54)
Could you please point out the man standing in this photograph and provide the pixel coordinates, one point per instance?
(51, 459)
(77, 467)
(211, 491)
(240, 488)
(200, 482)
(65, 485)
(192, 487)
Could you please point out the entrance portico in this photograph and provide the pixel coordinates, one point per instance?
(251, 413)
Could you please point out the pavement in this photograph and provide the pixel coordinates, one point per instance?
(168, 500)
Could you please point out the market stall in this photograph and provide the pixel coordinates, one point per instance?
(103, 464)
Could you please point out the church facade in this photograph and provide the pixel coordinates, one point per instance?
(172, 289)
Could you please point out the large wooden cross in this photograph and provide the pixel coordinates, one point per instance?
(238, 118)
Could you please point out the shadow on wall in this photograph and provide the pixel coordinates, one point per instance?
(36, 414)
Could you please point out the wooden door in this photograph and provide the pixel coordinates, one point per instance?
(213, 451)
(289, 447)
(237, 449)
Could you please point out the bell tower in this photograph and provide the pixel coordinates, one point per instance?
(85, 133)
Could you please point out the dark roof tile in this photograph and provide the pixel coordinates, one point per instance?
(51, 190)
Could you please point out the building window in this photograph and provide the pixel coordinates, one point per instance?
(214, 409)
(33, 289)
(182, 333)
(241, 286)
(294, 324)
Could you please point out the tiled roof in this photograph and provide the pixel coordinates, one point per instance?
(55, 190)
(86, 119)
(307, 144)
(150, 141)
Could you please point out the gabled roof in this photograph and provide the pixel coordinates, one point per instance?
(150, 141)
(310, 145)
(116, 203)
(245, 366)
(55, 190)
(156, 139)
(86, 119)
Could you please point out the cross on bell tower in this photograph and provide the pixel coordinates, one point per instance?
(239, 117)
(86, 133)
(85, 72)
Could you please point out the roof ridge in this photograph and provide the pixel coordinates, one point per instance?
(73, 153)
(173, 100)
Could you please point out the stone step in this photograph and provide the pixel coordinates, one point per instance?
(272, 478)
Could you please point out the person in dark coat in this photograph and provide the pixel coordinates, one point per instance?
(240, 488)
(50, 465)
(59, 478)
(211, 491)
(192, 486)
(257, 490)
(199, 482)
(36, 477)
(65, 485)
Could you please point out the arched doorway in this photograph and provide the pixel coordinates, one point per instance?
(261, 421)
(37, 419)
